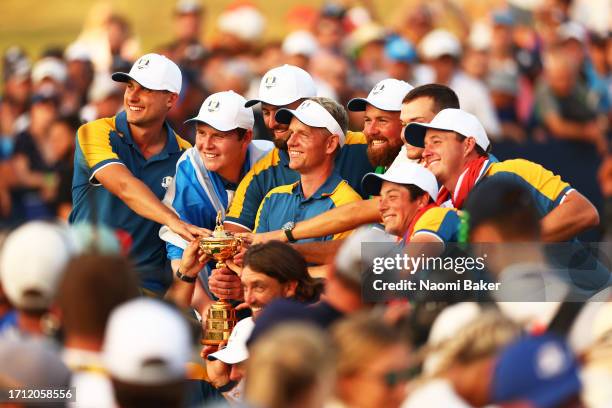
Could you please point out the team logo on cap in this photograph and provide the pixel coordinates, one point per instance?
(270, 82)
(304, 105)
(142, 63)
(213, 105)
(378, 89)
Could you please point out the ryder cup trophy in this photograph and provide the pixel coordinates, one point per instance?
(221, 317)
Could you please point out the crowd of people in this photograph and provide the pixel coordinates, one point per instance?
(438, 131)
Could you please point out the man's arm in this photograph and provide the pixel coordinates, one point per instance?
(135, 194)
(574, 215)
(344, 218)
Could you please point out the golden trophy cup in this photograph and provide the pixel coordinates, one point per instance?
(221, 317)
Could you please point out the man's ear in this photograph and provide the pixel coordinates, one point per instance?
(333, 143)
(290, 288)
(469, 145)
(423, 201)
(248, 136)
(172, 98)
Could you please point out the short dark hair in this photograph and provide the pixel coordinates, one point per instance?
(92, 286)
(415, 192)
(241, 133)
(442, 96)
(282, 262)
(505, 204)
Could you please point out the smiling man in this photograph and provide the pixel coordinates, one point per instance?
(318, 129)
(382, 125)
(122, 166)
(456, 146)
(207, 175)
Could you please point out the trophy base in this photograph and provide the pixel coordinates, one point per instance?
(220, 321)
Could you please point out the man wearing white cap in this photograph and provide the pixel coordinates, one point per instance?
(123, 165)
(407, 206)
(286, 87)
(456, 148)
(207, 175)
(318, 132)
(382, 125)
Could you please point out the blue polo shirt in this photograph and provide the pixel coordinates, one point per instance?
(273, 170)
(108, 141)
(287, 203)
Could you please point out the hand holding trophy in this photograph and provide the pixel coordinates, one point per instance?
(221, 318)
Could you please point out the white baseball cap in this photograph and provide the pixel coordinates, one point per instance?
(225, 111)
(33, 259)
(153, 71)
(403, 173)
(49, 67)
(454, 120)
(387, 95)
(312, 114)
(284, 85)
(438, 43)
(236, 350)
(146, 342)
(300, 42)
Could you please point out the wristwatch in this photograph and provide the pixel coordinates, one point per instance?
(288, 228)
(185, 278)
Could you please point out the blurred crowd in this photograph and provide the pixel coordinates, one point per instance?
(536, 74)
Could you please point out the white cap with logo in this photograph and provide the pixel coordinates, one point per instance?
(312, 114)
(146, 342)
(452, 120)
(32, 263)
(403, 173)
(236, 350)
(153, 71)
(387, 95)
(284, 85)
(225, 111)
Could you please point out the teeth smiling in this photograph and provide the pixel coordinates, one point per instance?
(210, 155)
(135, 108)
(377, 142)
(294, 153)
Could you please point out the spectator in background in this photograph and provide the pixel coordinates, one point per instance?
(299, 47)
(373, 360)
(105, 99)
(49, 74)
(187, 44)
(329, 30)
(400, 55)
(32, 264)
(147, 345)
(15, 97)
(441, 50)
(35, 180)
(299, 376)
(92, 286)
(563, 105)
(80, 75)
(240, 27)
(330, 72)
(59, 153)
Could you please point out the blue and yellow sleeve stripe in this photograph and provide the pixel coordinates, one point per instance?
(343, 194)
(443, 223)
(93, 139)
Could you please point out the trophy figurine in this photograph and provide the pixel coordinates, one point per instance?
(221, 318)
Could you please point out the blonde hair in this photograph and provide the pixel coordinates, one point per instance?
(481, 338)
(288, 363)
(359, 339)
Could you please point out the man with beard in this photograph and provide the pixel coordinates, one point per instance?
(287, 87)
(382, 125)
